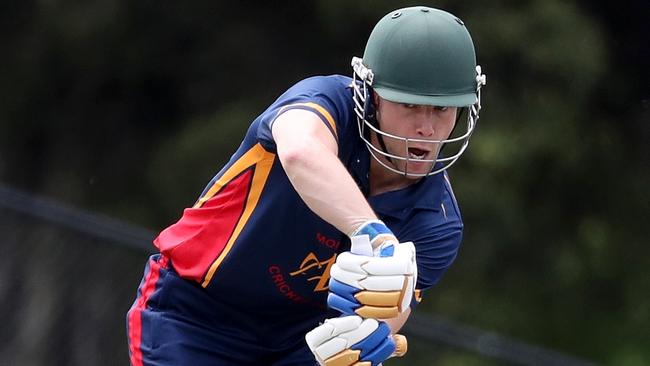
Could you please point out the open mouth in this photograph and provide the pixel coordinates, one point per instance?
(417, 154)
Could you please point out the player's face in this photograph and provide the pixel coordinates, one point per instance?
(414, 122)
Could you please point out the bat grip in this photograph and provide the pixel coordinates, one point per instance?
(401, 345)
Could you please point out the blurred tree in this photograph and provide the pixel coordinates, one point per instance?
(131, 107)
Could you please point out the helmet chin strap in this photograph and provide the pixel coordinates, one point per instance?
(382, 146)
(380, 138)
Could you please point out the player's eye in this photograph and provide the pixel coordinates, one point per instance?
(440, 108)
(409, 106)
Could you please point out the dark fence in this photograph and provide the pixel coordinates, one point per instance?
(67, 278)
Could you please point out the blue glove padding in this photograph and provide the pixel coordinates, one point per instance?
(341, 297)
(381, 239)
(373, 282)
(350, 339)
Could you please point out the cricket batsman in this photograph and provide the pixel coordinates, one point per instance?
(315, 242)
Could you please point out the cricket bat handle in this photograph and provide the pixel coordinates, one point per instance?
(401, 345)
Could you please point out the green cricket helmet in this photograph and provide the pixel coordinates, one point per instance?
(421, 56)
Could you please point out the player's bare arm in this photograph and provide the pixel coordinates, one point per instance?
(308, 153)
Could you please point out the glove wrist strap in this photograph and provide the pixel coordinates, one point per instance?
(379, 236)
(372, 228)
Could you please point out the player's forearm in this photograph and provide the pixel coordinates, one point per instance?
(308, 153)
(325, 186)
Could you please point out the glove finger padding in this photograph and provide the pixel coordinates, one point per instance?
(373, 287)
(351, 340)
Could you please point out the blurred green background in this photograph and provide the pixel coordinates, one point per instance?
(128, 108)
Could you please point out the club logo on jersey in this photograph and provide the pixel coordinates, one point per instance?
(331, 243)
(318, 270)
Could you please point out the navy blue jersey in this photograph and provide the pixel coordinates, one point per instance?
(258, 251)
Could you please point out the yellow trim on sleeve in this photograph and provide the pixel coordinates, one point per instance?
(320, 110)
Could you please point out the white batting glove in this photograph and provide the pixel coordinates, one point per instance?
(352, 340)
(373, 282)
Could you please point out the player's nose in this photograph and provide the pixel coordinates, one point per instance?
(425, 127)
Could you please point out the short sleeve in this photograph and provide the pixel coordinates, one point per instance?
(326, 96)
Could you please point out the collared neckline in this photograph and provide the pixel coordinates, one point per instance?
(426, 194)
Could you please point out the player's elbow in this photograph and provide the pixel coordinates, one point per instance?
(296, 155)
